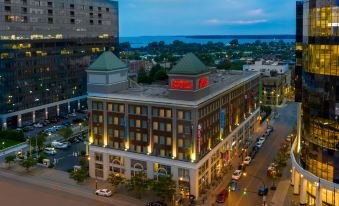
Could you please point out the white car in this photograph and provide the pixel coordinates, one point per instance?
(247, 160)
(104, 192)
(50, 151)
(236, 175)
(38, 125)
(262, 139)
(72, 115)
(259, 144)
(59, 145)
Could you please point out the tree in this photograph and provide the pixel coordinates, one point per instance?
(164, 188)
(66, 133)
(28, 163)
(234, 42)
(160, 75)
(224, 64)
(138, 183)
(10, 159)
(80, 175)
(143, 78)
(39, 140)
(116, 180)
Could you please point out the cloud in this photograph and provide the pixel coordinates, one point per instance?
(234, 22)
(256, 12)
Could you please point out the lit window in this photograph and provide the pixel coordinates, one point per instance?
(169, 141)
(168, 127)
(155, 138)
(180, 128)
(180, 142)
(138, 124)
(155, 125)
(138, 136)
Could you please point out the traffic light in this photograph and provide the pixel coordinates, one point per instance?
(245, 191)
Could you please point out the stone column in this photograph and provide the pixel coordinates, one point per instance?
(33, 117)
(194, 182)
(69, 107)
(105, 123)
(209, 171)
(79, 104)
(46, 113)
(318, 198)
(296, 188)
(127, 168)
(175, 176)
(92, 165)
(105, 162)
(58, 110)
(303, 188)
(19, 120)
(4, 123)
(174, 134)
(150, 172)
(292, 176)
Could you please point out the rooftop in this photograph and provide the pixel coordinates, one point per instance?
(220, 81)
(189, 65)
(107, 61)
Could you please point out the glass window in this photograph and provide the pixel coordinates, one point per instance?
(110, 107)
(98, 156)
(138, 136)
(169, 127)
(180, 115)
(132, 123)
(137, 110)
(180, 142)
(155, 112)
(138, 124)
(132, 135)
(162, 140)
(138, 148)
(155, 125)
(180, 129)
(187, 143)
(162, 126)
(162, 113)
(155, 138)
(116, 133)
(110, 120)
(116, 121)
(168, 113)
(187, 115)
(121, 108)
(144, 138)
(144, 124)
(116, 108)
(162, 152)
(122, 133)
(169, 141)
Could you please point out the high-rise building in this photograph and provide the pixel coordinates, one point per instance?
(315, 156)
(189, 128)
(45, 47)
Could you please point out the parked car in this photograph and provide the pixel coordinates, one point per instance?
(28, 128)
(262, 139)
(50, 130)
(242, 167)
(104, 192)
(38, 125)
(221, 197)
(236, 175)
(59, 145)
(157, 203)
(66, 123)
(272, 169)
(72, 114)
(232, 186)
(50, 151)
(262, 190)
(270, 129)
(247, 160)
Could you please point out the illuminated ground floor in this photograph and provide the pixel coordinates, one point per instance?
(191, 177)
(311, 189)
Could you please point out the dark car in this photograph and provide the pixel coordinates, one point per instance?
(232, 186)
(157, 203)
(242, 167)
(262, 191)
(66, 123)
(221, 197)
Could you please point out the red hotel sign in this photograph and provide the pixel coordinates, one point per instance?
(182, 84)
(203, 82)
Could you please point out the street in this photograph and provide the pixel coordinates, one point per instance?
(256, 171)
(17, 193)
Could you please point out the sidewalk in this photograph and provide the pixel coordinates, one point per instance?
(58, 180)
(280, 194)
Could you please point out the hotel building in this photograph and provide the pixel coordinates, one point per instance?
(45, 48)
(188, 129)
(315, 152)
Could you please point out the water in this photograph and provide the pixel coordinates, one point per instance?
(142, 41)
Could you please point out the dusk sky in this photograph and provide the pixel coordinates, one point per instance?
(207, 17)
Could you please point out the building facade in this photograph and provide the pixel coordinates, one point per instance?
(315, 153)
(45, 47)
(273, 89)
(188, 129)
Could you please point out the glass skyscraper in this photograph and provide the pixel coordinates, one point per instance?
(315, 158)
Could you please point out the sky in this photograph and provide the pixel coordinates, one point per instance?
(206, 17)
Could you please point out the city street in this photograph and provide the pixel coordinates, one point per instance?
(256, 172)
(17, 193)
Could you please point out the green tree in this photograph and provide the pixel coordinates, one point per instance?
(164, 188)
(116, 180)
(28, 163)
(80, 175)
(39, 140)
(143, 77)
(66, 133)
(138, 183)
(9, 159)
(160, 75)
(224, 64)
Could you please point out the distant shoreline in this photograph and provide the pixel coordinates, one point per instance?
(287, 36)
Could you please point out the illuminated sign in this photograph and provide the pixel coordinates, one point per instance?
(199, 137)
(203, 82)
(181, 84)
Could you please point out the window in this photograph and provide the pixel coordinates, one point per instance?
(122, 133)
(138, 148)
(122, 121)
(180, 115)
(91, 22)
(187, 143)
(50, 20)
(23, 10)
(187, 115)
(50, 11)
(169, 141)
(155, 112)
(162, 140)
(132, 135)
(72, 21)
(144, 111)
(168, 113)
(138, 136)
(95, 118)
(116, 133)
(101, 118)
(99, 15)
(180, 156)
(144, 138)
(116, 121)
(187, 130)
(169, 127)
(132, 123)
(162, 113)
(110, 132)
(138, 123)
(132, 147)
(71, 6)
(155, 125)
(49, 4)
(180, 129)
(99, 22)
(162, 152)
(98, 156)
(99, 8)
(91, 8)
(7, 8)
(144, 124)
(162, 126)
(24, 2)
(155, 138)
(71, 13)
(180, 142)
(121, 108)
(109, 119)
(138, 110)
(107, 9)
(131, 109)
(97, 106)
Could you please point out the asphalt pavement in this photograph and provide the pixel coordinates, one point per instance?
(256, 171)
